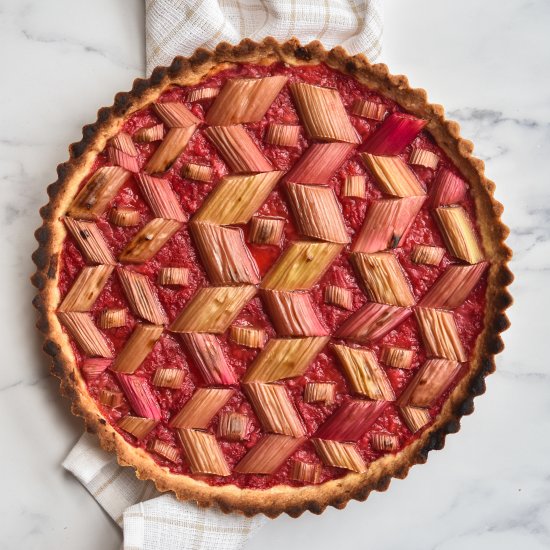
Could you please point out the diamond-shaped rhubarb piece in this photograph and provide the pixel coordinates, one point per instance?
(213, 309)
(244, 100)
(393, 176)
(203, 453)
(384, 442)
(284, 358)
(384, 278)
(322, 113)
(320, 162)
(340, 455)
(365, 376)
(111, 399)
(208, 357)
(301, 265)
(202, 94)
(199, 411)
(369, 109)
(387, 223)
(86, 288)
(429, 383)
(292, 314)
(238, 149)
(170, 148)
(351, 420)
(124, 160)
(320, 392)
(149, 240)
(317, 212)
(235, 199)
(339, 296)
(249, 337)
(137, 348)
(123, 142)
(427, 255)
(176, 276)
(266, 230)
(112, 318)
(305, 472)
(453, 286)
(396, 132)
(160, 197)
(164, 449)
(355, 186)
(140, 428)
(93, 367)
(90, 240)
(459, 233)
(269, 454)
(142, 296)
(149, 134)
(94, 198)
(140, 395)
(175, 115)
(439, 334)
(448, 188)
(283, 135)
(88, 337)
(415, 418)
(124, 217)
(169, 378)
(424, 157)
(233, 426)
(398, 358)
(197, 172)
(371, 322)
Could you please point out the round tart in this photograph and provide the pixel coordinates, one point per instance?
(272, 277)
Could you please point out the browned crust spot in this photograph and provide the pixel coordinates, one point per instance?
(276, 500)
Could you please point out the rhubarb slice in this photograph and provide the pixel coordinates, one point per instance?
(266, 230)
(149, 240)
(320, 162)
(110, 399)
(320, 392)
(274, 409)
(369, 109)
(284, 358)
(112, 318)
(164, 449)
(292, 314)
(203, 453)
(244, 100)
(233, 426)
(235, 199)
(208, 357)
(137, 348)
(169, 378)
(199, 411)
(86, 288)
(415, 418)
(150, 134)
(170, 148)
(439, 334)
(398, 358)
(387, 223)
(283, 135)
(94, 198)
(305, 472)
(197, 172)
(301, 265)
(453, 286)
(140, 428)
(424, 157)
(371, 322)
(94, 367)
(393, 176)
(175, 115)
(141, 296)
(338, 296)
(340, 455)
(384, 442)
(322, 113)
(237, 149)
(248, 337)
(124, 217)
(123, 160)
(123, 142)
(269, 454)
(384, 278)
(88, 337)
(90, 240)
(396, 132)
(140, 395)
(177, 276)
(213, 309)
(317, 212)
(448, 188)
(459, 234)
(364, 374)
(355, 186)
(351, 420)
(427, 255)
(429, 383)
(200, 94)
(162, 201)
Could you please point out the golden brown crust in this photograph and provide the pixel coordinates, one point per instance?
(276, 500)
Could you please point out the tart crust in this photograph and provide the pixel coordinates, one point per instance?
(281, 498)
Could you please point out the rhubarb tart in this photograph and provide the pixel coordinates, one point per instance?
(272, 277)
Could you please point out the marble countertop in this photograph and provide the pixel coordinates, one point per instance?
(489, 63)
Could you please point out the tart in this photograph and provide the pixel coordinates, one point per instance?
(272, 277)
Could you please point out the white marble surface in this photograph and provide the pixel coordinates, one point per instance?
(489, 63)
